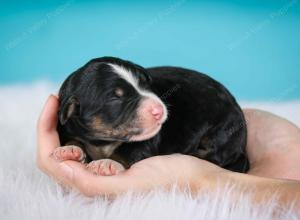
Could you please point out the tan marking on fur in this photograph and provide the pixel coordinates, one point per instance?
(205, 149)
(203, 152)
(71, 110)
(109, 149)
(97, 123)
(102, 151)
(107, 131)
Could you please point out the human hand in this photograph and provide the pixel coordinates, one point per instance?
(159, 171)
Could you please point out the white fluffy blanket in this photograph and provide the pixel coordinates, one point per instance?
(26, 193)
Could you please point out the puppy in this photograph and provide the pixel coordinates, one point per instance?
(114, 113)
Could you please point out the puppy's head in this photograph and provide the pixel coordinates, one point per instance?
(110, 99)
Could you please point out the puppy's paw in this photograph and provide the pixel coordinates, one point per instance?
(105, 167)
(70, 152)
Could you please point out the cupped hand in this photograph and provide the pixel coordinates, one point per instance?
(148, 174)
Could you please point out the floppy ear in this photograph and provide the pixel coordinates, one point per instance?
(68, 109)
(147, 77)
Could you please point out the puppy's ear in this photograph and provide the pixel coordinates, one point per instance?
(69, 108)
(146, 77)
(149, 78)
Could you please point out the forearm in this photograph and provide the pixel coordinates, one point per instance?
(262, 190)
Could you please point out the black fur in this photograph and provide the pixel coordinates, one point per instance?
(204, 119)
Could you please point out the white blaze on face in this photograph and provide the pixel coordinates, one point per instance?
(152, 112)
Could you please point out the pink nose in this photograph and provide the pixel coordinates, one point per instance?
(157, 112)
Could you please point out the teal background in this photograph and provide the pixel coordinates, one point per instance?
(251, 46)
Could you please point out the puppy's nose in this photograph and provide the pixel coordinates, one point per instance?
(157, 112)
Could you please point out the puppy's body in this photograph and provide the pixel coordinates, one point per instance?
(203, 119)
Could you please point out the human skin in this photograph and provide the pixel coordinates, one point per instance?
(273, 148)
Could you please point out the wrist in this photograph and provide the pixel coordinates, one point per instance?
(211, 180)
(221, 177)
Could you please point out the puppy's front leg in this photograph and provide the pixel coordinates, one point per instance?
(105, 167)
(70, 152)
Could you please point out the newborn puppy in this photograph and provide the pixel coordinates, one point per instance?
(114, 113)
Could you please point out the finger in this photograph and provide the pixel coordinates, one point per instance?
(48, 138)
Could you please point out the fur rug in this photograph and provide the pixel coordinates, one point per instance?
(26, 193)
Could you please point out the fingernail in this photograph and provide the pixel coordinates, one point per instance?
(53, 95)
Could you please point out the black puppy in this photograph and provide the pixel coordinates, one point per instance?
(115, 113)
